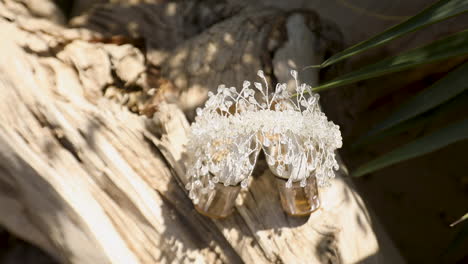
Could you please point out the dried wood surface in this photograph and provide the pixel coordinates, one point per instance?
(89, 179)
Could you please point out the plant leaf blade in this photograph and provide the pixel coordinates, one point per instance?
(441, 138)
(443, 90)
(439, 111)
(458, 242)
(461, 219)
(437, 12)
(451, 46)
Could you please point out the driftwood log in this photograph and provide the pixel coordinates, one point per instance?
(93, 121)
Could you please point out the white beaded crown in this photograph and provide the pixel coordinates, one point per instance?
(234, 126)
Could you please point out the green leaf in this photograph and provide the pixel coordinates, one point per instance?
(454, 104)
(441, 138)
(448, 87)
(458, 242)
(451, 46)
(463, 218)
(439, 11)
(405, 126)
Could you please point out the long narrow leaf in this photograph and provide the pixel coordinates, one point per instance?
(459, 242)
(437, 12)
(454, 45)
(448, 87)
(402, 127)
(441, 138)
(451, 105)
(463, 218)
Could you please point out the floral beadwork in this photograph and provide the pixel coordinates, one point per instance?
(234, 126)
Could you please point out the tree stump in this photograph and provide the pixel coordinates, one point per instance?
(93, 123)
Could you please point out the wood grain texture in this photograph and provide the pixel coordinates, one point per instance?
(89, 181)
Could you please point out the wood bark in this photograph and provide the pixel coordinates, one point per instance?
(87, 177)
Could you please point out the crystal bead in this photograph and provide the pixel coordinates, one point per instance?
(192, 194)
(311, 100)
(258, 86)
(280, 170)
(261, 74)
(197, 183)
(294, 74)
(245, 183)
(211, 185)
(303, 183)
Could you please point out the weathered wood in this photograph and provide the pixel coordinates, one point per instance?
(91, 182)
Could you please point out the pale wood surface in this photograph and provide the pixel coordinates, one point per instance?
(89, 181)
